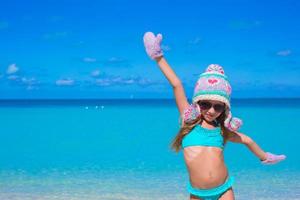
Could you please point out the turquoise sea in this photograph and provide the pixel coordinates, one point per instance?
(119, 150)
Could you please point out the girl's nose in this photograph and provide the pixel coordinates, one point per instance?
(212, 110)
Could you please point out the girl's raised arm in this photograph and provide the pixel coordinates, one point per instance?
(153, 49)
(180, 97)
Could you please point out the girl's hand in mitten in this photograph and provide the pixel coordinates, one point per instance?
(273, 158)
(152, 45)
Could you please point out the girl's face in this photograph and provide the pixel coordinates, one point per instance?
(210, 109)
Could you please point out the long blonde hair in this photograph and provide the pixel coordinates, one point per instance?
(187, 127)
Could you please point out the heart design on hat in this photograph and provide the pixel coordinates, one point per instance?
(212, 81)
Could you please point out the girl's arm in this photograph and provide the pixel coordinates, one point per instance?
(237, 137)
(265, 157)
(154, 51)
(175, 82)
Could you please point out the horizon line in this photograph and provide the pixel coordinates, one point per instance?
(241, 98)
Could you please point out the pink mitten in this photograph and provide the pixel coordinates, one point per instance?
(273, 159)
(152, 45)
(232, 123)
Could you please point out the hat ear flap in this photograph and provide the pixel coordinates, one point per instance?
(232, 123)
(190, 114)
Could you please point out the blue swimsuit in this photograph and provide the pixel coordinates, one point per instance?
(200, 136)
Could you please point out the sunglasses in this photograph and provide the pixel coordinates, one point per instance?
(205, 105)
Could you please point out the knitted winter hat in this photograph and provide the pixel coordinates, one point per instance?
(213, 85)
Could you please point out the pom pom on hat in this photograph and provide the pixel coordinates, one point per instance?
(232, 123)
(215, 68)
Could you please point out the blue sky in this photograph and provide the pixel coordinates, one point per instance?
(94, 49)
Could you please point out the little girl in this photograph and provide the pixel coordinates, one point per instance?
(206, 126)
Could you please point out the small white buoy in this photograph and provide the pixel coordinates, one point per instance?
(86, 107)
(102, 107)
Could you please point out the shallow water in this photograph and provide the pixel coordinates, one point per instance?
(112, 150)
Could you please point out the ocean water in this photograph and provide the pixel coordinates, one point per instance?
(119, 150)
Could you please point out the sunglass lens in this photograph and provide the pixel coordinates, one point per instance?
(205, 105)
(219, 107)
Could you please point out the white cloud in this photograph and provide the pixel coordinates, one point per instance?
(195, 41)
(117, 80)
(115, 59)
(145, 82)
(129, 81)
(120, 81)
(95, 73)
(30, 87)
(63, 82)
(12, 69)
(13, 77)
(284, 52)
(165, 47)
(103, 82)
(116, 62)
(28, 81)
(89, 59)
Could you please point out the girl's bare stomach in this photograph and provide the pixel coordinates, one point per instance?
(206, 166)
